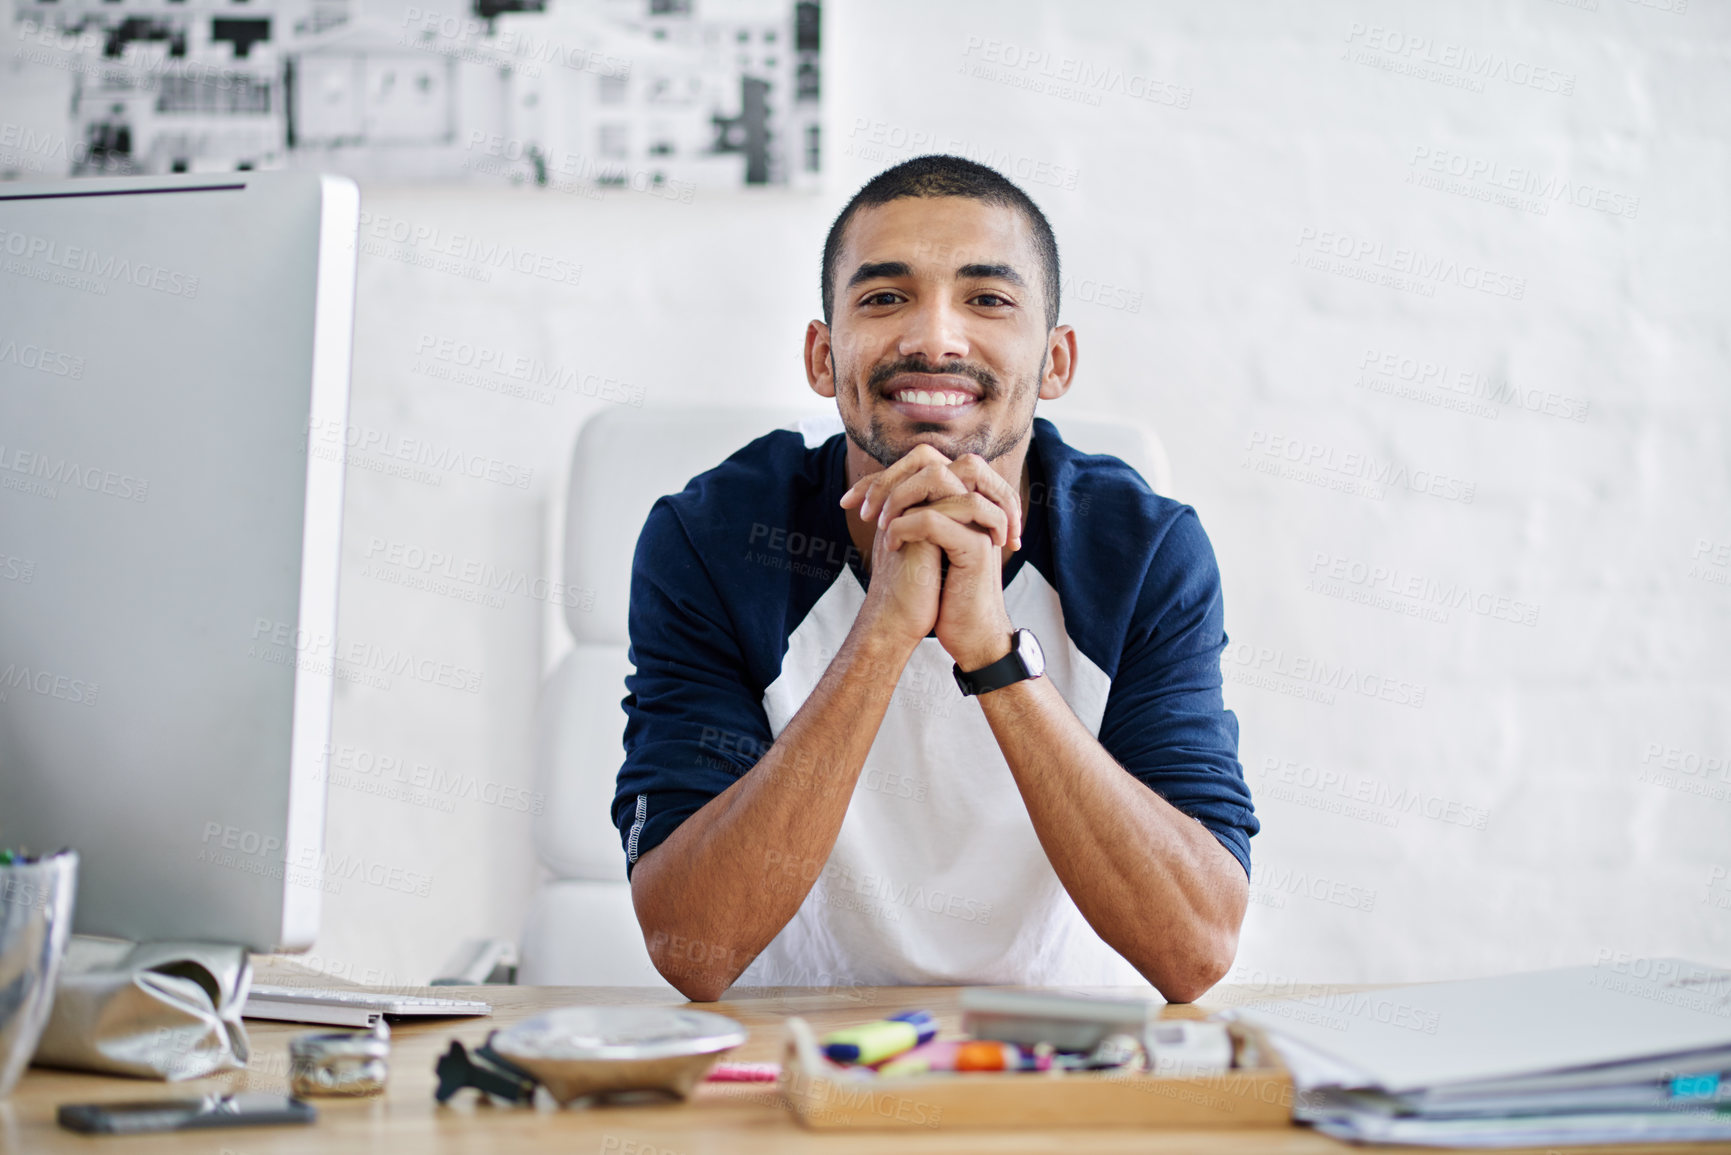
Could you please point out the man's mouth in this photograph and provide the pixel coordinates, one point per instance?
(939, 397)
(933, 400)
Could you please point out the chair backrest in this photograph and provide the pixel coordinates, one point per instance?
(625, 459)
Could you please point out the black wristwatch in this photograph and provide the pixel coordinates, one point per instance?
(1025, 660)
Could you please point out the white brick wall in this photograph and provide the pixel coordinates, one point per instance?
(1226, 147)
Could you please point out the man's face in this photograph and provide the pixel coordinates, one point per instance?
(939, 332)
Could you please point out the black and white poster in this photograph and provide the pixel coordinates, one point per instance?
(661, 96)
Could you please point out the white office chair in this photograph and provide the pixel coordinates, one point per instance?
(581, 928)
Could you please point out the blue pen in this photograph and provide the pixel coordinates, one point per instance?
(886, 1038)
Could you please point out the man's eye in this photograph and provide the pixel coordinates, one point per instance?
(992, 300)
(881, 297)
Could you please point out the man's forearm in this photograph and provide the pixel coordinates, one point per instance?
(730, 877)
(1152, 881)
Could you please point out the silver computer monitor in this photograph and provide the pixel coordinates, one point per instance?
(174, 370)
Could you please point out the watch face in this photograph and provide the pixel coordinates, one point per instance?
(1028, 649)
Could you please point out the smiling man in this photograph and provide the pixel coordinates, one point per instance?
(938, 701)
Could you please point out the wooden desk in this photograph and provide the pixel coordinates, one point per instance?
(722, 1118)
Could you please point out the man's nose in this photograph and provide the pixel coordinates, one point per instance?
(934, 332)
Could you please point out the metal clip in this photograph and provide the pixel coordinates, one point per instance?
(486, 1071)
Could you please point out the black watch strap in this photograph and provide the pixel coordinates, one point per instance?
(1024, 661)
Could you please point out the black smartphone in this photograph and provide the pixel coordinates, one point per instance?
(248, 1109)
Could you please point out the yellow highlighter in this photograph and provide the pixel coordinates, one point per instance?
(875, 1042)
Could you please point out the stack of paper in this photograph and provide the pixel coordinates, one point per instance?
(1627, 1050)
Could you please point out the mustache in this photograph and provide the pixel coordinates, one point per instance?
(979, 374)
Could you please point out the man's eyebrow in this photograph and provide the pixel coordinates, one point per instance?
(872, 270)
(991, 272)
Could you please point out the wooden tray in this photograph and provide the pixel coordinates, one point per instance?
(825, 1097)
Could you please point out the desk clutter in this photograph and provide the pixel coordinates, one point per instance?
(1637, 1052)
(1028, 1057)
(1024, 1031)
(1035, 1058)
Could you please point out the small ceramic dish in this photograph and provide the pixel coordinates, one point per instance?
(579, 1052)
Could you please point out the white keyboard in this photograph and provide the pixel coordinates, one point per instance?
(349, 1008)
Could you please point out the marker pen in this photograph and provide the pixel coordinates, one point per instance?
(875, 1042)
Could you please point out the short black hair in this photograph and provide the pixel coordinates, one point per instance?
(946, 176)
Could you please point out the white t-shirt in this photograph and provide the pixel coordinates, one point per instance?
(744, 588)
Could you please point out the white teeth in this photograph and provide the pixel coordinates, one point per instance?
(939, 400)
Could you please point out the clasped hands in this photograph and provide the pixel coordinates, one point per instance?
(927, 508)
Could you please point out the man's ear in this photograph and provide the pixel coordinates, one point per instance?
(1060, 363)
(819, 360)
